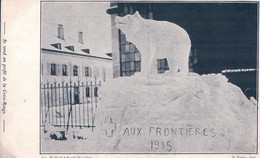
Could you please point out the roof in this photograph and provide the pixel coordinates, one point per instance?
(49, 36)
(76, 54)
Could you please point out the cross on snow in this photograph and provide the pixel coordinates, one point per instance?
(108, 126)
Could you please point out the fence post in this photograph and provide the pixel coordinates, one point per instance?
(55, 101)
(63, 103)
(51, 104)
(79, 103)
(91, 100)
(70, 111)
(48, 97)
(75, 101)
(68, 97)
(59, 104)
(95, 93)
(48, 111)
(43, 104)
(83, 104)
(87, 101)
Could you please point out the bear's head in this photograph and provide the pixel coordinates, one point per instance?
(129, 24)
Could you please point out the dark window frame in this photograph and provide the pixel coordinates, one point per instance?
(87, 92)
(60, 31)
(87, 72)
(80, 36)
(64, 70)
(53, 70)
(162, 65)
(75, 70)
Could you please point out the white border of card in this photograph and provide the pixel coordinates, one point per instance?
(62, 107)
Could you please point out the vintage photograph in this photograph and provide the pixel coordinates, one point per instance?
(149, 77)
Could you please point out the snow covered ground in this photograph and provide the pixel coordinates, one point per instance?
(180, 114)
(80, 115)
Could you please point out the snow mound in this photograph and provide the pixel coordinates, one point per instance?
(215, 115)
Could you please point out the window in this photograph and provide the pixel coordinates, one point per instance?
(86, 51)
(75, 70)
(56, 45)
(53, 69)
(130, 57)
(87, 92)
(81, 37)
(71, 48)
(87, 71)
(64, 70)
(162, 65)
(96, 92)
(60, 31)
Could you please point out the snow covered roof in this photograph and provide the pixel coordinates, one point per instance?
(237, 70)
(70, 43)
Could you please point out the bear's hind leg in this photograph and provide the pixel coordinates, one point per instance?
(179, 61)
(184, 67)
(153, 67)
(173, 69)
(177, 66)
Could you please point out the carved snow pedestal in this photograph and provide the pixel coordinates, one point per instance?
(176, 114)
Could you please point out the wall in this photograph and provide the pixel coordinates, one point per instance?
(96, 64)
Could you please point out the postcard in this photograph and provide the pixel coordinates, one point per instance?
(129, 79)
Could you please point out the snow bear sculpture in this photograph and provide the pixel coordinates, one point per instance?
(157, 40)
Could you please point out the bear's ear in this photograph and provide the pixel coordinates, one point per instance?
(137, 14)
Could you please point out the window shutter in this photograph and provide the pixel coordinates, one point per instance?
(42, 73)
(79, 71)
(58, 69)
(48, 69)
(83, 71)
(69, 70)
(98, 72)
(90, 72)
(61, 69)
(104, 74)
(94, 72)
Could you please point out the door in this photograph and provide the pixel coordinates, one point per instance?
(76, 95)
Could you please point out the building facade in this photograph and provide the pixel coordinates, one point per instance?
(64, 66)
(70, 72)
(67, 58)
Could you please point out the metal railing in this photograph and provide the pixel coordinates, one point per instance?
(69, 105)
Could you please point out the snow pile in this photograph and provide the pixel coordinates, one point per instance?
(190, 113)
